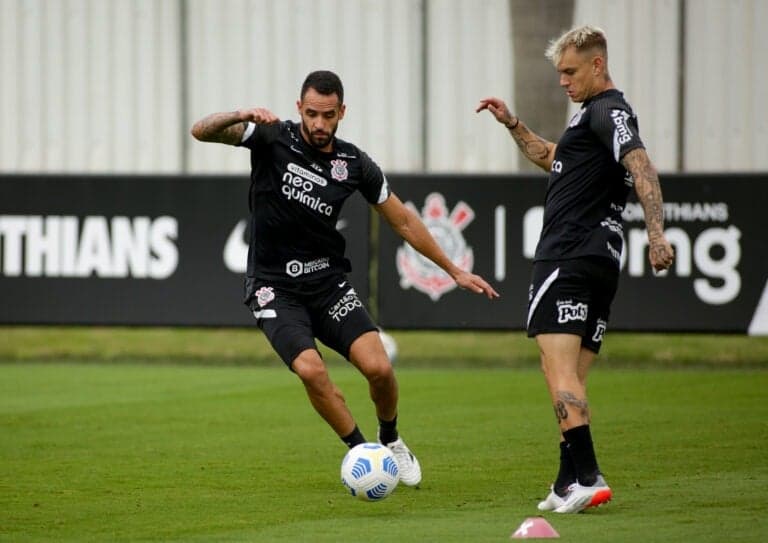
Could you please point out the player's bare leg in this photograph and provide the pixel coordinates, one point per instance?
(324, 395)
(566, 365)
(368, 355)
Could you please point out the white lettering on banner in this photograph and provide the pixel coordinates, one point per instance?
(533, 219)
(62, 246)
(682, 212)
(236, 249)
(721, 283)
(500, 229)
(759, 324)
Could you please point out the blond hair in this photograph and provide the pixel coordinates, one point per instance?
(583, 38)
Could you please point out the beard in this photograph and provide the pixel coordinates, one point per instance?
(318, 139)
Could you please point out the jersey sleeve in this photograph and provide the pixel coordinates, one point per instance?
(374, 186)
(259, 134)
(616, 127)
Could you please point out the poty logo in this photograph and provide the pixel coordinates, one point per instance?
(597, 337)
(421, 273)
(567, 311)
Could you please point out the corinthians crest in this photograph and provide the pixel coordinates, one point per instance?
(421, 273)
(339, 170)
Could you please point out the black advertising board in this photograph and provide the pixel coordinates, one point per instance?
(135, 250)
(170, 250)
(491, 224)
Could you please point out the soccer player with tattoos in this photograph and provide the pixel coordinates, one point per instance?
(592, 168)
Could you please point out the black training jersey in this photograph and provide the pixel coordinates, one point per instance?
(296, 196)
(588, 186)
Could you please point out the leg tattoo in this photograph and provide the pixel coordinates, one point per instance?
(560, 411)
(566, 397)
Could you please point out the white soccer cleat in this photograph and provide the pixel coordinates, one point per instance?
(581, 497)
(410, 470)
(551, 502)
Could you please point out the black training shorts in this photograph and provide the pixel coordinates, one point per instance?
(292, 316)
(572, 297)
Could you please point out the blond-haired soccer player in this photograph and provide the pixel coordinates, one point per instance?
(592, 168)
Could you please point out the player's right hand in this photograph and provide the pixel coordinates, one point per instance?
(258, 115)
(497, 107)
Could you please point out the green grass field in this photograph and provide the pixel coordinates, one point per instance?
(163, 435)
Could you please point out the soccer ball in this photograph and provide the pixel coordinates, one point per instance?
(370, 472)
(390, 345)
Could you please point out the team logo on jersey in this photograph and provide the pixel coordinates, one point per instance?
(264, 295)
(339, 170)
(576, 119)
(419, 272)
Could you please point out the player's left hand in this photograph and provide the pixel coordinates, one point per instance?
(476, 284)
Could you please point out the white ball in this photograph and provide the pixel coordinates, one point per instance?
(390, 345)
(370, 472)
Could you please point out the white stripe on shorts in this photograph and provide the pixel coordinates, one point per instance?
(542, 289)
(265, 314)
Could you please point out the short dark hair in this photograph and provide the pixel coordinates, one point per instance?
(325, 83)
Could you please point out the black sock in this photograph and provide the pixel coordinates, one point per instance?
(567, 473)
(388, 431)
(583, 453)
(355, 438)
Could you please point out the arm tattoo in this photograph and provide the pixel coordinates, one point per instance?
(565, 399)
(648, 190)
(535, 148)
(220, 128)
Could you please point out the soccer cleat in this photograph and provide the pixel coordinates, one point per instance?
(581, 497)
(551, 502)
(410, 470)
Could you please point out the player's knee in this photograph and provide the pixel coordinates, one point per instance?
(380, 373)
(310, 369)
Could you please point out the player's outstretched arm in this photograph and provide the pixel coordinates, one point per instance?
(229, 126)
(648, 190)
(409, 227)
(535, 148)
